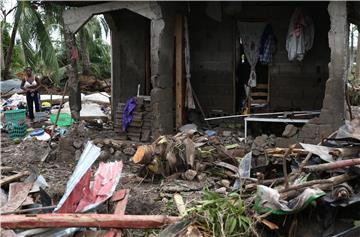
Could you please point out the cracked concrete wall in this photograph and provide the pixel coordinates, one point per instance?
(333, 110)
(162, 71)
(125, 58)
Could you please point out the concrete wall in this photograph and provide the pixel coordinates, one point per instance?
(293, 85)
(299, 85)
(129, 53)
(211, 52)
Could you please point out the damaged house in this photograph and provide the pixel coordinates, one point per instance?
(223, 58)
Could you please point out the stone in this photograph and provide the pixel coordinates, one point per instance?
(118, 155)
(285, 142)
(104, 155)
(77, 144)
(290, 131)
(189, 175)
(201, 177)
(226, 133)
(111, 150)
(225, 183)
(221, 190)
(129, 151)
(77, 154)
(260, 140)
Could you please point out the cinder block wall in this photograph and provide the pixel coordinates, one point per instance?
(211, 50)
(294, 85)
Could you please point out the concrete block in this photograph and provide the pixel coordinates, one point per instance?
(290, 131)
(285, 142)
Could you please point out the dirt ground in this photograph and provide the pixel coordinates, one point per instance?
(148, 195)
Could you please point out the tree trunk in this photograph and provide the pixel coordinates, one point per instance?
(357, 72)
(84, 54)
(351, 49)
(1, 49)
(10, 48)
(73, 79)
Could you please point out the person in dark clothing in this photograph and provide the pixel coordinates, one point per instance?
(30, 85)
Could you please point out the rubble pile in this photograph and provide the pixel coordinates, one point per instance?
(193, 174)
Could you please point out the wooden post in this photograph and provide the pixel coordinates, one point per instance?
(86, 220)
(179, 74)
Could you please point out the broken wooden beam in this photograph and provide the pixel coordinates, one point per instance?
(333, 165)
(14, 177)
(87, 220)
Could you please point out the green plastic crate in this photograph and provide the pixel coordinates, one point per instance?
(63, 121)
(14, 116)
(16, 130)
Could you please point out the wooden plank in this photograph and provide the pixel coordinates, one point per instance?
(262, 86)
(4, 169)
(258, 101)
(179, 74)
(121, 204)
(265, 94)
(121, 197)
(18, 198)
(87, 220)
(14, 177)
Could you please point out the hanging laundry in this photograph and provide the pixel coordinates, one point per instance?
(300, 35)
(267, 45)
(127, 114)
(250, 35)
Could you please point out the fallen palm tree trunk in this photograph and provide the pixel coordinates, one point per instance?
(144, 154)
(86, 220)
(333, 165)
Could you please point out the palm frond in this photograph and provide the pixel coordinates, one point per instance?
(105, 26)
(34, 29)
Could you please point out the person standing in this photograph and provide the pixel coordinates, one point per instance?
(30, 84)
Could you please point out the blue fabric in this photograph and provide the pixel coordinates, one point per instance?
(127, 113)
(267, 45)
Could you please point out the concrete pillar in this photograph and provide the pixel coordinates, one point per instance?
(332, 114)
(162, 54)
(333, 110)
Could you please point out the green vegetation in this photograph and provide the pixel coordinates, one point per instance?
(222, 215)
(35, 38)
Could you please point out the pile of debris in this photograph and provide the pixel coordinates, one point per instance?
(214, 188)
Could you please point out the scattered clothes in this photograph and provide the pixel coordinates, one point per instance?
(250, 35)
(267, 45)
(127, 114)
(300, 35)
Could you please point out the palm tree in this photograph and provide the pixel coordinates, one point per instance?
(93, 51)
(35, 40)
(11, 44)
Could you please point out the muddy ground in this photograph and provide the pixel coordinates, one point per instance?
(148, 195)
